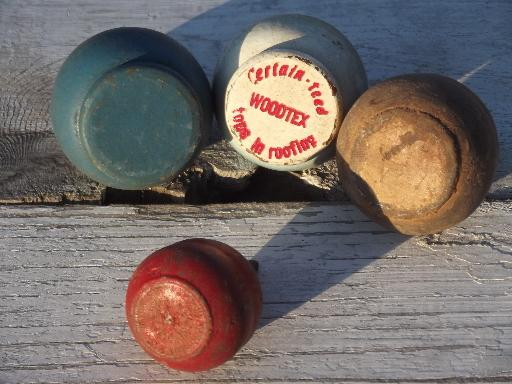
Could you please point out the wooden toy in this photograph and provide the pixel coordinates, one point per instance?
(417, 153)
(283, 88)
(194, 304)
(131, 107)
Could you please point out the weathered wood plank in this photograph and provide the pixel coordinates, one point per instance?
(468, 40)
(344, 299)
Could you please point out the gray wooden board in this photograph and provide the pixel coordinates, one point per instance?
(344, 299)
(468, 40)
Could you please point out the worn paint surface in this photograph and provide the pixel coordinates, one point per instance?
(418, 153)
(410, 161)
(281, 109)
(170, 319)
(131, 108)
(194, 304)
(282, 89)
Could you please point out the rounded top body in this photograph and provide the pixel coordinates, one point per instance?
(307, 75)
(131, 108)
(194, 304)
(417, 153)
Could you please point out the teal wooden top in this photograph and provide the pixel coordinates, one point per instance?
(131, 108)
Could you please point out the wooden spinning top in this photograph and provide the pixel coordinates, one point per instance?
(282, 89)
(194, 304)
(131, 108)
(417, 153)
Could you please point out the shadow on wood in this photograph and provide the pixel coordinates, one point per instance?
(315, 251)
(433, 309)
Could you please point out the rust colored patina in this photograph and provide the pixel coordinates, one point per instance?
(171, 319)
(417, 153)
(194, 304)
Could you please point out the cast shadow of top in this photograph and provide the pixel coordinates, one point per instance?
(207, 34)
(319, 248)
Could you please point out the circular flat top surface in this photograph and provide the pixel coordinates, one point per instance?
(171, 319)
(281, 109)
(409, 160)
(140, 126)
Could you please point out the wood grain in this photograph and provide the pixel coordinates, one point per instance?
(468, 40)
(344, 299)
